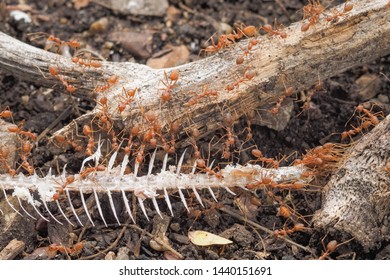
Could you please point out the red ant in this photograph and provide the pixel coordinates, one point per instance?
(55, 73)
(90, 63)
(325, 155)
(68, 180)
(4, 153)
(294, 186)
(87, 131)
(248, 75)
(18, 130)
(366, 123)
(276, 30)
(58, 42)
(373, 119)
(74, 250)
(127, 97)
(205, 92)
(265, 181)
(259, 157)
(62, 139)
(240, 59)
(312, 11)
(222, 42)
(52, 40)
(330, 247)
(169, 83)
(6, 114)
(336, 14)
(285, 232)
(287, 93)
(110, 82)
(195, 134)
(248, 31)
(89, 170)
(228, 121)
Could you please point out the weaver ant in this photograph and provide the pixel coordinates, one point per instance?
(126, 98)
(90, 170)
(331, 247)
(85, 63)
(110, 82)
(259, 157)
(312, 11)
(87, 131)
(336, 14)
(169, 83)
(68, 180)
(55, 73)
(205, 92)
(247, 76)
(17, 129)
(287, 93)
(4, 153)
(222, 42)
(285, 232)
(74, 250)
(6, 114)
(370, 120)
(276, 30)
(54, 41)
(243, 30)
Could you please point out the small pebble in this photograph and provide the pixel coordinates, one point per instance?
(175, 227)
(123, 253)
(99, 26)
(19, 15)
(383, 98)
(110, 256)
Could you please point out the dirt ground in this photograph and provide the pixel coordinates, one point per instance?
(190, 24)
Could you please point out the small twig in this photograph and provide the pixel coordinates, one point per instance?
(113, 245)
(63, 115)
(164, 245)
(257, 226)
(281, 5)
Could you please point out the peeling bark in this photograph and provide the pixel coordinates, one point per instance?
(357, 197)
(362, 35)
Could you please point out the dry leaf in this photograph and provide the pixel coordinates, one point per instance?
(78, 4)
(367, 86)
(204, 238)
(179, 55)
(139, 44)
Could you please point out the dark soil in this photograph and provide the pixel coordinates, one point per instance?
(329, 113)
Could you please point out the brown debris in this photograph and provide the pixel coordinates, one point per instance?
(14, 248)
(137, 43)
(367, 86)
(177, 56)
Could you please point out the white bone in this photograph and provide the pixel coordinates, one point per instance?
(112, 206)
(72, 207)
(9, 203)
(85, 207)
(63, 214)
(99, 207)
(126, 201)
(141, 204)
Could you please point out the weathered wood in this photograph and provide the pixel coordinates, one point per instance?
(14, 248)
(356, 199)
(360, 36)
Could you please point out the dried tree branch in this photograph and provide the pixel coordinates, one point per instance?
(361, 36)
(356, 199)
